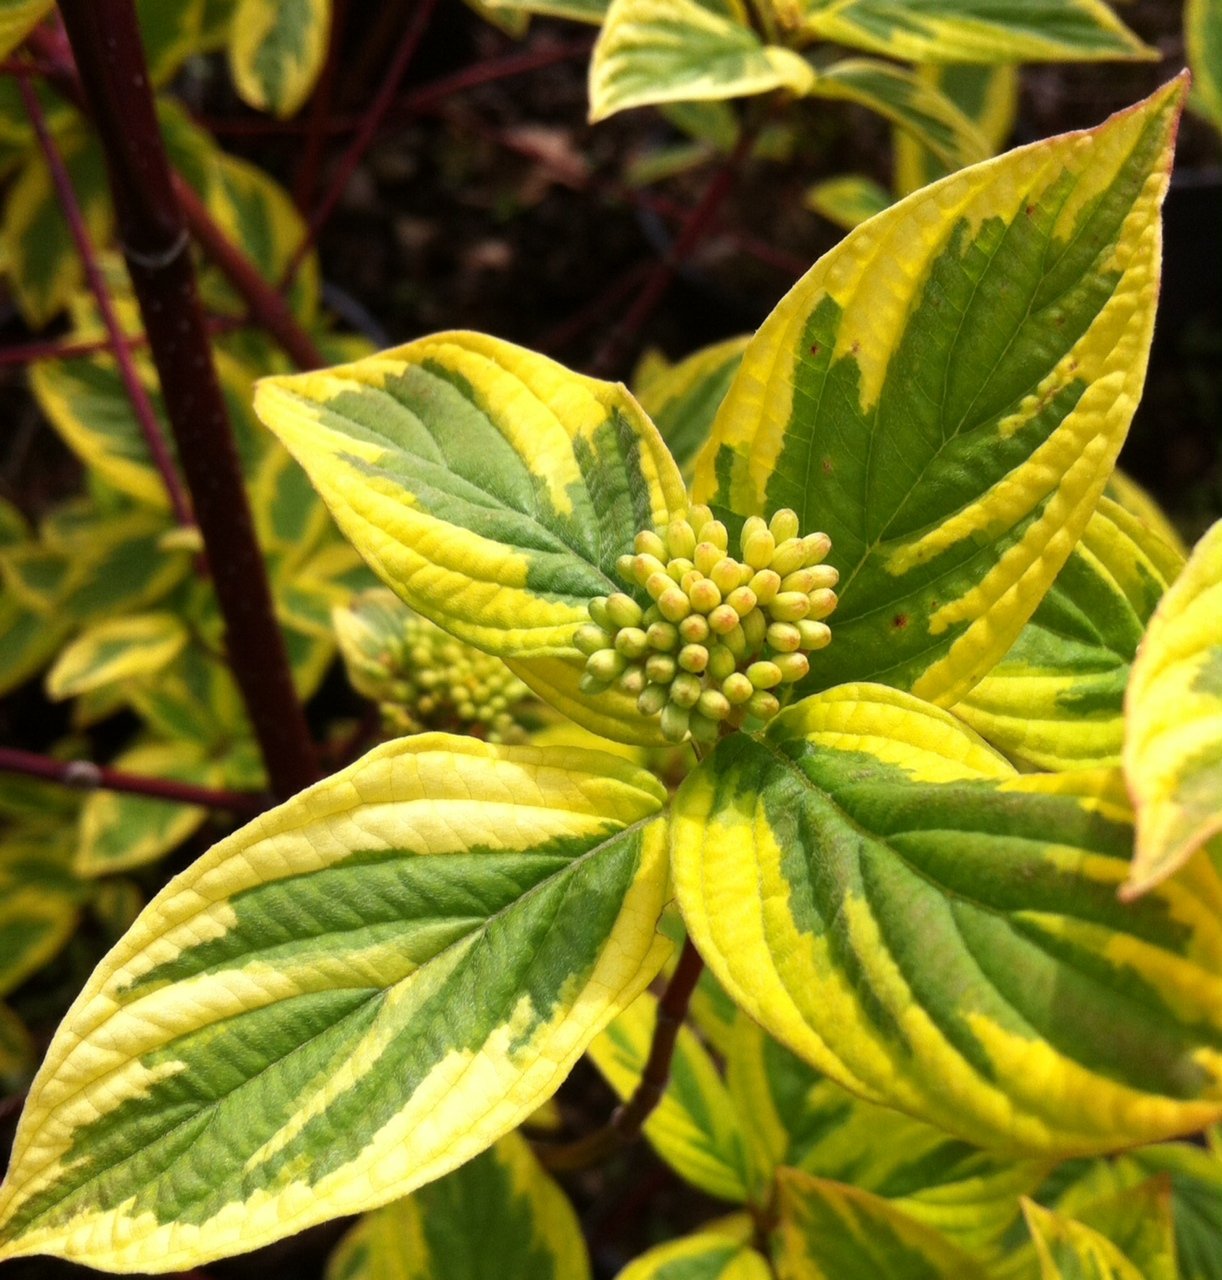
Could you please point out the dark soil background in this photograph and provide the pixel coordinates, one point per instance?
(496, 207)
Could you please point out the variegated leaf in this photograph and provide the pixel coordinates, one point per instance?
(592, 11)
(987, 96)
(343, 1001)
(17, 1052)
(17, 19)
(1173, 717)
(1126, 492)
(276, 51)
(694, 1128)
(1203, 36)
(1056, 700)
(945, 393)
(795, 1117)
(719, 1251)
(683, 398)
(39, 897)
(656, 51)
(832, 1232)
(490, 487)
(114, 650)
(937, 933)
(976, 30)
(847, 201)
(898, 94)
(1196, 1191)
(499, 1209)
(1070, 1250)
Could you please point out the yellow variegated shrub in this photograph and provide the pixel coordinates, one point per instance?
(952, 892)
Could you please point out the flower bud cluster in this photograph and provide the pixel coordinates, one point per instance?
(721, 637)
(422, 677)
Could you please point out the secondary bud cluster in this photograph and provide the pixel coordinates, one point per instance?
(721, 636)
(422, 677)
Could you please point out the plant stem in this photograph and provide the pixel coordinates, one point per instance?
(58, 349)
(370, 122)
(625, 1124)
(83, 775)
(320, 111)
(105, 40)
(142, 404)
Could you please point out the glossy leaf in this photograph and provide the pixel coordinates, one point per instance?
(343, 1001)
(795, 1117)
(945, 392)
(901, 96)
(656, 51)
(832, 1232)
(119, 831)
(987, 96)
(976, 30)
(500, 1205)
(891, 900)
(276, 51)
(847, 201)
(115, 650)
(1173, 713)
(490, 487)
(1056, 700)
(719, 1251)
(694, 1128)
(1203, 36)
(683, 398)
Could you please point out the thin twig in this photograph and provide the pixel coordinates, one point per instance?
(84, 775)
(20, 353)
(625, 1124)
(320, 111)
(142, 404)
(373, 117)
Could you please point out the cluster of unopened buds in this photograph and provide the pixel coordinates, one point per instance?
(721, 636)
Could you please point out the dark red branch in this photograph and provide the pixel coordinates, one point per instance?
(142, 404)
(105, 40)
(59, 349)
(625, 1125)
(372, 119)
(83, 775)
(320, 111)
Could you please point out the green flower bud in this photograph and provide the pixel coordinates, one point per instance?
(792, 666)
(707, 556)
(736, 641)
(591, 684)
(758, 548)
(678, 567)
(694, 658)
(694, 628)
(702, 728)
(663, 636)
(802, 580)
(723, 619)
(685, 689)
(632, 642)
(817, 547)
(822, 603)
(689, 580)
(660, 668)
(742, 600)
(648, 543)
(815, 635)
(658, 584)
(725, 574)
(825, 575)
(699, 515)
(764, 675)
(625, 566)
(589, 639)
(755, 628)
(789, 606)
(597, 609)
(633, 680)
(752, 525)
(764, 584)
(704, 595)
(652, 700)
(623, 610)
(737, 688)
(784, 637)
(680, 539)
(784, 524)
(716, 533)
(721, 662)
(645, 566)
(714, 704)
(675, 720)
(605, 665)
(763, 705)
(675, 605)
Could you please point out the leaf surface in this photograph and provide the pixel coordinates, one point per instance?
(719, 1251)
(276, 51)
(344, 1000)
(936, 933)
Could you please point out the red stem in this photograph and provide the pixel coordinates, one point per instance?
(84, 775)
(320, 111)
(141, 402)
(372, 119)
(55, 349)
